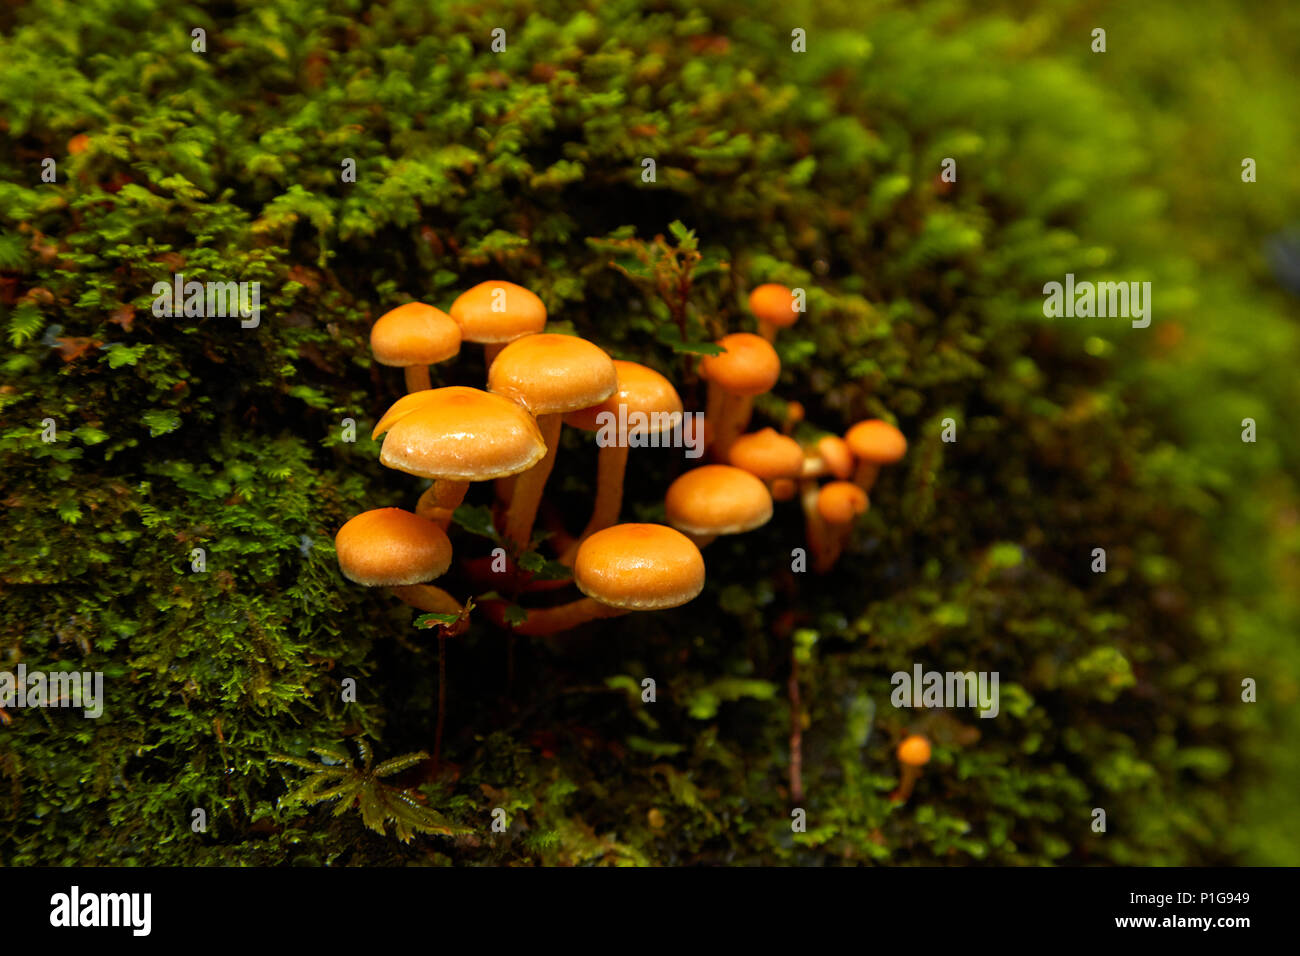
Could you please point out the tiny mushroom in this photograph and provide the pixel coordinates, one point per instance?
(913, 754)
(496, 313)
(838, 503)
(717, 499)
(775, 308)
(874, 443)
(413, 337)
(393, 548)
(830, 456)
(650, 406)
(768, 455)
(747, 366)
(549, 375)
(627, 567)
(456, 435)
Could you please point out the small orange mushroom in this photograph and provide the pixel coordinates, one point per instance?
(649, 405)
(629, 567)
(393, 548)
(838, 504)
(874, 443)
(497, 312)
(748, 366)
(413, 337)
(913, 754)
(456, 435)
(717, 499)
(775, 308)
(549, 375)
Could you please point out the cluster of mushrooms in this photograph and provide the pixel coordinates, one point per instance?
(508, 433)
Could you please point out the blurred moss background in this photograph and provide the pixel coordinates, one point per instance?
(1119, 691)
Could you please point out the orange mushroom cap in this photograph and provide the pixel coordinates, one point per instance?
(749, 366)
(717, 499)
(640, 567)
(462, 434)
(914, 751)
(774, 304)
(835, 453)
(876, 441)
(414, 334)
(498, 311)
(389, 547)
(552, 374)
(640, 389)
(839, 502)
(767, 454)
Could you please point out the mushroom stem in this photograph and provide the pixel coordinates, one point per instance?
(564, 617)
(610, 469)
(735, 415)
(529, 485)
(417, 378)
(427, 597)
(834, 537)
(440, 500)
(910, 775)
(713, 411)
(701, 541)
(767, 330)
(490, 352)
(866, 474)
(796, 730)
(814, 525)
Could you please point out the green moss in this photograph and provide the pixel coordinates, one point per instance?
(1120, 690)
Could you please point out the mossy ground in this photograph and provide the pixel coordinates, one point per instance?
(1120, 691)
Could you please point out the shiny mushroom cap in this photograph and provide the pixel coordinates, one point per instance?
(640, 389)
(552, 374)
(414, 334)
(774, 304)
(876, 441)
(389, 547)
(914, 751)
(461, 434)
(767, 454)
(749, 366)
(642, 567)
(498, 311)
(839, 502)
(717, 499)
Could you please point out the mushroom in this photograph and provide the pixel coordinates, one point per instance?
(649, 405)
(413, 337)
(549, 375)
(913, 754)
(768, 455)
(717, 499)
(774, 307)
(783, 489)
(628, 567)
(748, 366)
(874, 443)
(496, 313)
(830, 456)
(392, 548)
(838, 503)
(456, 435)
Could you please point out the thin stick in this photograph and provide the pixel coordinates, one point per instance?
(796, 730)
(442, 698)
